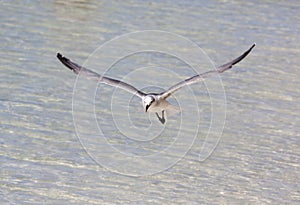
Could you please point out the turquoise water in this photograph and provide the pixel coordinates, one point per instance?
(257, 158)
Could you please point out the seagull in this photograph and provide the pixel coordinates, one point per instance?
(152, 102)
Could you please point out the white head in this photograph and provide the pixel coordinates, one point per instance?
(148, 101)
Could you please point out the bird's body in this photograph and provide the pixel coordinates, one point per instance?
(152, 102)
(159, 104)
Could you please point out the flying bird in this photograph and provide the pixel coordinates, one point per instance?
(152, 102)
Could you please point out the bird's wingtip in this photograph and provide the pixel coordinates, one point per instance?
(58, 55)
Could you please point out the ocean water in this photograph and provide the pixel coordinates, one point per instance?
(68, 140)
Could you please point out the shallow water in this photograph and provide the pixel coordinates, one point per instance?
(43, 161)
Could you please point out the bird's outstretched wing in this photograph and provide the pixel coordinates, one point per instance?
(202, 76)
(99, 78)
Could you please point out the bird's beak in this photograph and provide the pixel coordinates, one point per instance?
(147, 107)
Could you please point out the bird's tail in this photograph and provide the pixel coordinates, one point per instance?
(172, 110)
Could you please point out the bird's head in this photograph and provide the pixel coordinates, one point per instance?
(148, 101)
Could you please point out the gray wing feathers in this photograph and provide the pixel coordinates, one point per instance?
(229, 65)
(99, 78)
(202, 76)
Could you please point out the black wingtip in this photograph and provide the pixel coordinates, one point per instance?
(229, 65)
(65, 61)
(250, 49)
(243, 55)
(68, 63)
(58, 55)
